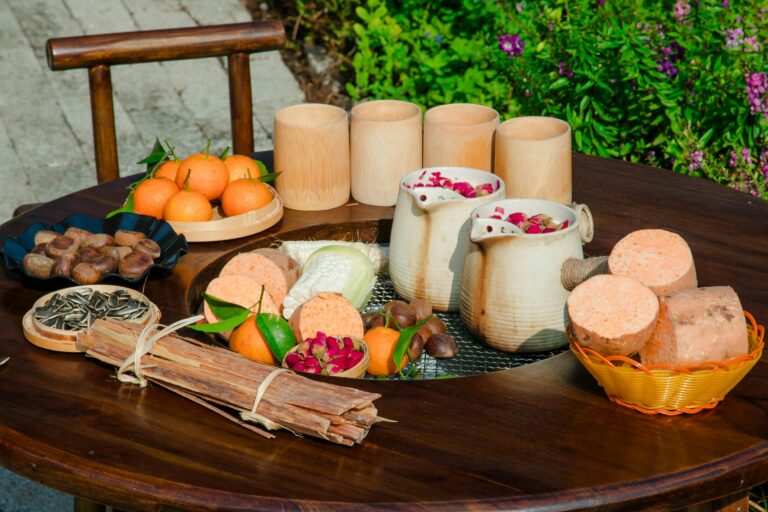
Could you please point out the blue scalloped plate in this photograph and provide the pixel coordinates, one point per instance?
(172, 244)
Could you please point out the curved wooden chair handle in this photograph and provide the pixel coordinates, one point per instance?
(100, 51)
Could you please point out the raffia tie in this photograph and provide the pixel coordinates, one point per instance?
(146, 342)
(252, 415)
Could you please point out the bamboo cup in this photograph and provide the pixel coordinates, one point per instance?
(385, 145)
(459, 135)
(533, 158)
(312, 156)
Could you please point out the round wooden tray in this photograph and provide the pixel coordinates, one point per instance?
(61, 340)
(228, 228)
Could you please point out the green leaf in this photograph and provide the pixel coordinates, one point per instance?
(277, 334)
(153, 158)
(404, 341)
(223, 309)
(224, 325)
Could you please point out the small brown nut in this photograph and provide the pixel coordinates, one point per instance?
(38, 249)
(61, 245)
(416, 347)
(432, 326)
(89, 254)
(64, 264)
(37, 265)
(77, 234)
(128, 238)
(441, 346)
(402, 314)
(44, 236)
(148, 246)
(98, 241)
(373, 319)
(134, 264)
(104, 264)
(422, 308)
(84, 273)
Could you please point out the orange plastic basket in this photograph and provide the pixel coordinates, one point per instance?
(670, 390)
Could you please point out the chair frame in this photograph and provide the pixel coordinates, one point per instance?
(99, 52)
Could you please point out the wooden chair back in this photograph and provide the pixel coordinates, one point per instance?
(99, 52)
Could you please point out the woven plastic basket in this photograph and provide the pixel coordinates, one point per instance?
(670, 390)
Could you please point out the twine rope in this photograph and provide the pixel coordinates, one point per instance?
(574, 271)
(252, 415)
(144, 344)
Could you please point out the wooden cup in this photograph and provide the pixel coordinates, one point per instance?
(385, 142)
(459, 135)
(312, 156)
(533, 158)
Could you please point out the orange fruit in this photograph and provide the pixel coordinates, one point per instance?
(245, 195)
(207, 175)
(168, 169)
(188, 206)
(381, 343)
(241, 166)
(248, 341)
(150, 196)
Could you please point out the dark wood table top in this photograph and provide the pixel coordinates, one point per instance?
(540, 436)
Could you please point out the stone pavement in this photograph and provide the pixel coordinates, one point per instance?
(46, 143)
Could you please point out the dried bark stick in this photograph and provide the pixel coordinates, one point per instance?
(216, 377)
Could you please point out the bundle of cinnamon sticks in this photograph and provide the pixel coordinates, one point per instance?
(222, 380)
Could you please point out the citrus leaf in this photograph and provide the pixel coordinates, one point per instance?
(223, 309)
(277, 332)
(267, 178)
(126, 208)
(404, 341)
(224, 325)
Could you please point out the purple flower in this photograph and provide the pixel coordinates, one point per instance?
(695, 159)
(726, 4)
(733, 159)
(682, 9)
(673, 52)
(751, 44)
(734, 37)
(519, 7)
(564, 70)
(600, 2)
(757, 85)
(746, 156)
(667, 68)
(512, 45)
(551, 26)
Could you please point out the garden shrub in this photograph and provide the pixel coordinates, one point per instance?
(679, 85)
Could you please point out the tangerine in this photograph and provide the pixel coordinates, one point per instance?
(168, 169)
(150, 196)
(241, 166)
(248, 341)
(381, 343)
(205, 173)
(244, 195)
(188, 206)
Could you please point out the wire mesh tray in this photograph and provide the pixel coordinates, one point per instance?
(474, 356)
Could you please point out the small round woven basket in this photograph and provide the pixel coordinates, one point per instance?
(666, 389)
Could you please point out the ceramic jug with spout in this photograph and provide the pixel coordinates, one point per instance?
(512, 294)
(430, 231)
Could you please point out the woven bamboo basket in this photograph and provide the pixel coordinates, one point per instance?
(670, 390)
(357, 371)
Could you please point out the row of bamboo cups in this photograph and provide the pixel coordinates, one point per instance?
(322, 153)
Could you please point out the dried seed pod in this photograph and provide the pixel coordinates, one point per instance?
(105, 264)
(441, 346)
(45, 236)
(85, 273)
(98, 241)
(37, 265)
(128, 238)
(78, 234)
(89, 254)
(148, 246)
(134, 264)
(64, 264)
(38, 249)
(61, 245)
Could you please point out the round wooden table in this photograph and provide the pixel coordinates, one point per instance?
(542, 436)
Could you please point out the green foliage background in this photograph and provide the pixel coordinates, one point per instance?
(597, 65)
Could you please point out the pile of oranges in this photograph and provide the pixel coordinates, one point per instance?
(183, 190)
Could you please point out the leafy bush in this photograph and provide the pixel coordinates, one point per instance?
(680, 85)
